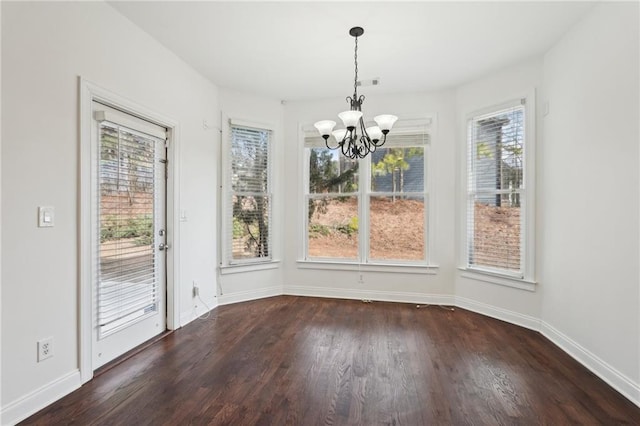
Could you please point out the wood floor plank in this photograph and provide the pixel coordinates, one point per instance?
(309, 361)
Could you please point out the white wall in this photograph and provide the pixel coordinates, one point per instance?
(45, 47)
(588, 189)
(237, 286)
(386, 286)
(517, 305)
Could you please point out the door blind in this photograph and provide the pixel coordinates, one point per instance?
(128, 283)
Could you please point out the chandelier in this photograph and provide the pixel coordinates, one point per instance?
(353, 144)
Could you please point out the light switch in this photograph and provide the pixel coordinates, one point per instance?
(46, 216)
(183, 216)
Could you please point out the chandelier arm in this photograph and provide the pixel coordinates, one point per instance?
(380, 142)
(363, 129)
(326, 142)
(384, 139)
(366, 145)
(346, 147)
(346, 141)
(363, 151)
(357, 148)
(358, 145)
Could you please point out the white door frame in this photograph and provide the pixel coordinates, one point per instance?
(90, 92)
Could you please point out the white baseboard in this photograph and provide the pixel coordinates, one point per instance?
(380, 296)
(35, 401)
(506, 315)
(592, 362)
(247, 295)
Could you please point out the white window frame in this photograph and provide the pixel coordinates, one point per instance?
(525, 280)
(227, 264)
(363, 262)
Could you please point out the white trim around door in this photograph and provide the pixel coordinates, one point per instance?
(89, 93)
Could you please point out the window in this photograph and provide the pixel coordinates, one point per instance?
(333, 200)
(372, 210)
(249, 197)
(397, 201)
(498, 192)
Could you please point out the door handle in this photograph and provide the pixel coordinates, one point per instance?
(164, 246)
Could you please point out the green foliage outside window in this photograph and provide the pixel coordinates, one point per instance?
(140, 228)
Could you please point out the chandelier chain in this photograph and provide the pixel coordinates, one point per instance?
(355, 80)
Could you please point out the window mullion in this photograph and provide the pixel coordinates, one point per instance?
(428, 219)
(306, 197)
(364, 182)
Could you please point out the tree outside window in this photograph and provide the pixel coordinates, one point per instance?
(250, 197)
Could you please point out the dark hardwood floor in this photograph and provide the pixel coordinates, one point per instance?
(309, 361)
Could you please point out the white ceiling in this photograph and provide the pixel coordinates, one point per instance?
(302, 50)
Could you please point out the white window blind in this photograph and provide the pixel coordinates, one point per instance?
(128, 282)
(105, 113)
(496, 190)
(250, 199)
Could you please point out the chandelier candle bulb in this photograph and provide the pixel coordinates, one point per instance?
(340, 134)
(325, 127)
(385, 121)
(374, 133)
(356, 141)
(350, 118)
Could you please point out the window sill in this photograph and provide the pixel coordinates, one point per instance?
(503, 280)
(249, 267)
(368, 267)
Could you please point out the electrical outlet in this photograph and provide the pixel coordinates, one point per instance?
(360, 279)
(45, 349)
